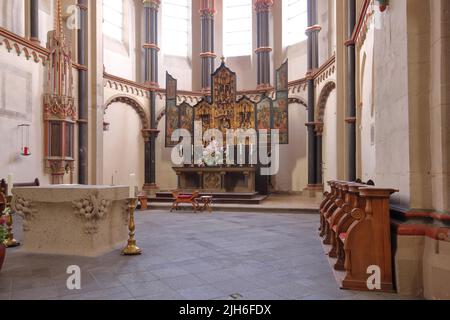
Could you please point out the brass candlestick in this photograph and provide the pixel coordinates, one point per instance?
(10, 242)
(131, 249)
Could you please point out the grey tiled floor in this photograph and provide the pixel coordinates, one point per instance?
(192, 256)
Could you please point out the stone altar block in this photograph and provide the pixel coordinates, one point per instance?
(72, 219)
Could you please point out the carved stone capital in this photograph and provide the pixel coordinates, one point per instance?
(263, 5)
(151, 3)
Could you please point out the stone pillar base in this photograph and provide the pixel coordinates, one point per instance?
(314, 191)
(422, 267)
(150, 189)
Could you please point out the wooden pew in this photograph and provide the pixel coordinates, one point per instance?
(341, 226)
(355, 221)
(332, 206)
(342, 209)
(335, 204)
(327, 196)
(367, 241)
(329, 201)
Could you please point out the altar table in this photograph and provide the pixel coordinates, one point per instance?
(216, 179)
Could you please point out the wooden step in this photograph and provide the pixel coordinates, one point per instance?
(223, 198)
(217, 195)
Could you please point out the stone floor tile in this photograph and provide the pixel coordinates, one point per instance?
(206, 292)
(149, 288)
(184, 282)
(35, 293)
(253, 256)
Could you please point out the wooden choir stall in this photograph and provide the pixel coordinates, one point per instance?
(355, 225)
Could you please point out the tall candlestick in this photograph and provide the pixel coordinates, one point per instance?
(10, 185)
(241, 154)
(132, 185)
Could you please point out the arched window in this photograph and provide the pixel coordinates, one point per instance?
(176, 26)
(113, 19)
(237, 28)
(295, 13)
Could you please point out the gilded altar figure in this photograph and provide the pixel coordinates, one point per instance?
(224, 86)
(203, 113)
(245, 114)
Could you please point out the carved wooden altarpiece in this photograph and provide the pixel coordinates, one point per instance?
(225, 111)
(222, 111)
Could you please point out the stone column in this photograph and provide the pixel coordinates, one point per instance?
(34, 21)
(319, 134)
(207, 12)
(83, 112)
(263, 50)
(313, 63)
(351, 93)
(150, 46)
(151, 50)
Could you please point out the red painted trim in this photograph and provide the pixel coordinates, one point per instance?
(316, 73)
(29, 44)
(358, 27)
(425, 214)
(124, 81)
(208, 55)
(435, 233)
(313, 28)
(263, 49)
(79, 66)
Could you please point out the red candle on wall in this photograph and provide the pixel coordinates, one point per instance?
(25, 132)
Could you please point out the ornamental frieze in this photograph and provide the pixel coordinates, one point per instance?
(59, 107)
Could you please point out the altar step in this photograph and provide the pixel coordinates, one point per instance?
(275, 203)
(253, 198)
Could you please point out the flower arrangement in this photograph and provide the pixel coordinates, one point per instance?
(3, 231)
(212, 155)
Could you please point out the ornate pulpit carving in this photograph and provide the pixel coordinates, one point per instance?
(59, 106)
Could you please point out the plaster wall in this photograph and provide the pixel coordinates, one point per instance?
(123, 146)
(12, 16)
(440, 104)
(293, 170)
(21, 87)
(392, 159)
(330, 141)
(46, 19)
(366, 109)
(166, 179)
(119, 56)
(21, 96)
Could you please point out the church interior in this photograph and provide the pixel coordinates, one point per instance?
(224, 150)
